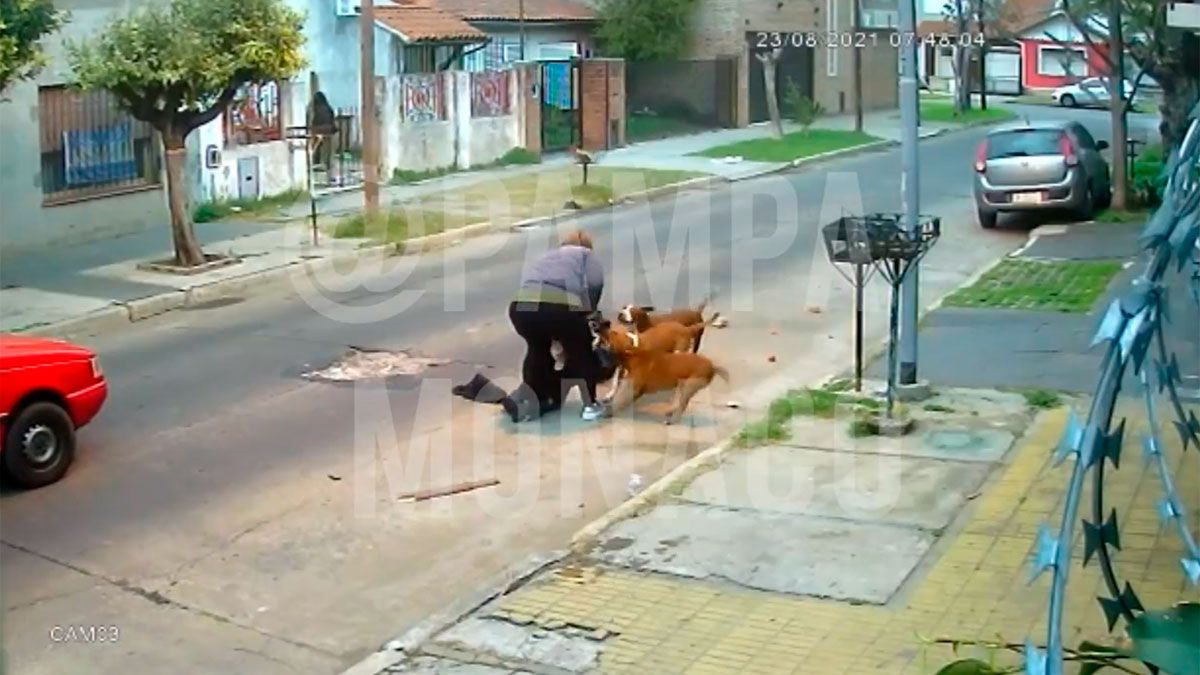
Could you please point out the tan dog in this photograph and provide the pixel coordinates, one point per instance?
(662, 338)
(643, 319)
(648, 372)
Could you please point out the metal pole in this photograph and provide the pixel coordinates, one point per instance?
(909, 187)
(521, 25)
(370, 136)
(982, 55)
(893, 328)
(859, 281)
(858, 84)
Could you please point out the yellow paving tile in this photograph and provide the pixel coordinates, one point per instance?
(977, 589)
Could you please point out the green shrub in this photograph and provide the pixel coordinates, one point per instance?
(518, 156)
(799, 108)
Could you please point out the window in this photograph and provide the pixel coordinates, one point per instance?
(419, 59)
(255, 116)
(1056, 61)
(91, 148)
(1023, 143)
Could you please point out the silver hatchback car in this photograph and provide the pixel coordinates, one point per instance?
(1040, 166)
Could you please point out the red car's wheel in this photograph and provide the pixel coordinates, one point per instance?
(39, 445)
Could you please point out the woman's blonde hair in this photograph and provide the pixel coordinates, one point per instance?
(576, 238)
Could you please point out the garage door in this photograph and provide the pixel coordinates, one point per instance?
(1003, 72)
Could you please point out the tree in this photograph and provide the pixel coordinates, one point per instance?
(770, 59)
(178, 66)
(1169, 55)
(643, 30)
(801, 109)
(23, 23)
(969, 46)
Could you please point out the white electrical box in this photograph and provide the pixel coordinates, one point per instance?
(348, 7)
(1183, 15)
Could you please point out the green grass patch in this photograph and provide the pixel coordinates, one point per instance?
(800, 402)
(1042, 399)
(207, 212)
(503, 199)
(645, 127)
(943, 111)
(1111, 216)
(797, 145)
(1061, 286)
(397, 225)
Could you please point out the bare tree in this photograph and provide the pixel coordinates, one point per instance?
(769, 62)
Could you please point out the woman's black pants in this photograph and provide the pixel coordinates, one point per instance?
(542, 323)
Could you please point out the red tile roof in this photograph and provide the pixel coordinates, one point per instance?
(510, 10)
(421, 22)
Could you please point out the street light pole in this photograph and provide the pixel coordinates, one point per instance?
(521, 25)
(909, 185)
(370, 135)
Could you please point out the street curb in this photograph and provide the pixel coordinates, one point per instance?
(408, 644)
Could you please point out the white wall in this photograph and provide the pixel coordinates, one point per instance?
(459, 141)
(332, 51)
(281, 164)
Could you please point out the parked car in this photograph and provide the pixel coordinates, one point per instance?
(1091, 92)
(1048, 165)
(48, 389)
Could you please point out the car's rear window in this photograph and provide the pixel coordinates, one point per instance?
(1023, 143)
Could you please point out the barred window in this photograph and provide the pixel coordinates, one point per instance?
(91, 148)
(255, 116)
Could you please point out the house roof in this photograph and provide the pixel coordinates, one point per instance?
(510, 10)
(1013, 17)
(416, 21)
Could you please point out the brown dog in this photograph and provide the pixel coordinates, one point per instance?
(643, 319)
(661, 338)
(648, 372)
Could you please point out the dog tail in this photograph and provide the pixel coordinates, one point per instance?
(721, 373)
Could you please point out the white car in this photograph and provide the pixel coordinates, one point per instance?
(1090, 92)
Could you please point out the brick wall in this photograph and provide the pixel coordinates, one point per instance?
(720, 27)
(602, 94)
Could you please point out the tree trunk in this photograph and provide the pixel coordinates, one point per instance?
(1120, 122)
(1179, 97)
(962, 61)
(769, 61)
(187, 249)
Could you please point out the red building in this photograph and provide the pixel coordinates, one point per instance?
(1055, 53)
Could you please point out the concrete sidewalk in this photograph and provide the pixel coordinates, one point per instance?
(718, 578)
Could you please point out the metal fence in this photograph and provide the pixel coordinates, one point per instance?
(337, 158)
(666, 98)
(90, 147)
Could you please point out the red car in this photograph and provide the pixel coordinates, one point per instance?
(48, 389)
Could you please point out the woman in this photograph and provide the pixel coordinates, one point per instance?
(557, 295)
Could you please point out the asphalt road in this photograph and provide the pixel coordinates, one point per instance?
(212, 516)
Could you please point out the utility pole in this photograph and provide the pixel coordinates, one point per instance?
(979, 9)
(521, 25)
(1120, 121)
(856, 17)
(909, 185)
(370, 129)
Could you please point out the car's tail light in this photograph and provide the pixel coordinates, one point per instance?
(981, 156)
(1067, 150)
(97, 371)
